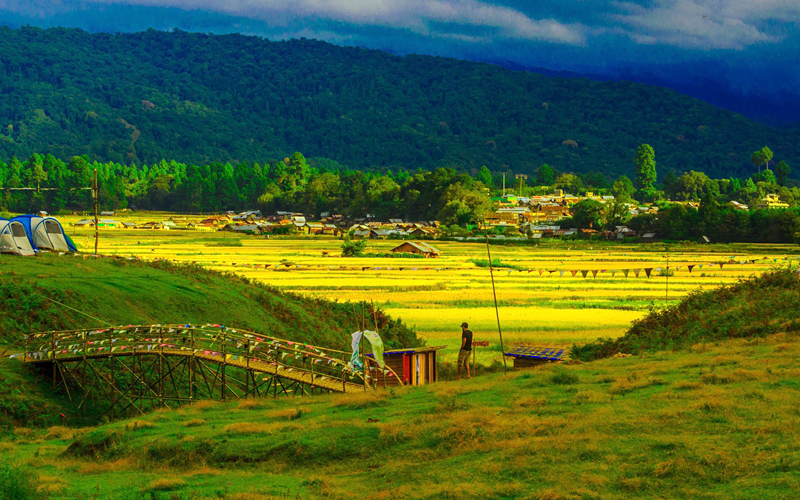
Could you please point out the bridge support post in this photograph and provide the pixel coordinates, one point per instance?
(192, 363)
(247, 371)
(83, 383)
(224, 363)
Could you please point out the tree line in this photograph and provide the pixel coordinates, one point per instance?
(317, 185)
(291, 184)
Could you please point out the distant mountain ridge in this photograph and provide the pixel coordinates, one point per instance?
(192, 97)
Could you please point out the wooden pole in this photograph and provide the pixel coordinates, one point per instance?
(494, 293)
(375, 317)
(96, 228)
(666, 297)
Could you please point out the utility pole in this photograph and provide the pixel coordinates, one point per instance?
(520, 177)
(504, 183)
(496, 310)
(96, 227)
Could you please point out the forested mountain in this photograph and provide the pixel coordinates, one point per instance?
(197, 98)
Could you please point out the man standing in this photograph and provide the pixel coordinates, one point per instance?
(466, 348)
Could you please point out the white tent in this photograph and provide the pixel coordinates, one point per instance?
(46, 233)
(14, 239)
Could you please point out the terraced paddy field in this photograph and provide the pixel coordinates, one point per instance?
(555, 293)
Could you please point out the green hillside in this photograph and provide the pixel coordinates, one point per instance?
(750, 309)
(140, 98)
(52, 292)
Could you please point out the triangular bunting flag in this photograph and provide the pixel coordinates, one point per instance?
(594, 274)
(560, 274)
(648, 270)
(636, 272)
(720, 265)
(574, 273)
(690, 267)
(625, 272)
(584, 273)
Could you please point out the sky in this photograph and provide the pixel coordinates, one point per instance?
(739, 54)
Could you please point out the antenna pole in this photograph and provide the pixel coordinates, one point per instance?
(96, 228)
(494, 294)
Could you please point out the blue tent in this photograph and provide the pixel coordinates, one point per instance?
(46, 233)
(14, 238)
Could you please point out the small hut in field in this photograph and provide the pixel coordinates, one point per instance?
(416, 247)
(414, 366)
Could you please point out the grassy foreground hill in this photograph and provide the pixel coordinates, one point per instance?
(715, 420)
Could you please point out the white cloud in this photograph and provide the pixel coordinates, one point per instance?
(706, 24)
(440, 18)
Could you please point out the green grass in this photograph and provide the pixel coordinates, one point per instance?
(713, 422)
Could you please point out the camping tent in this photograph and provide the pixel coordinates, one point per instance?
(46, 233)
(14, 239)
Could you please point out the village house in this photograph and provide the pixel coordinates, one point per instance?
(771, 201)
(84, 223)
(108, 223)
(417, 247)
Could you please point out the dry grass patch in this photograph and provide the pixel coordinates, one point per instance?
(245, 428)
(631, 383)
(205, 405)
(685, 385)
(288, 414)
(524, 402)
(594, 479)
(60, 432)
(361, 400)
(196, 422)
(138, 425)
(249, 496)
(591, 397)
(166, 484)
(51, 484)
(250, 404)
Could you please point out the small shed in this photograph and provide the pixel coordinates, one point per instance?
(416, 247)
(414, 366)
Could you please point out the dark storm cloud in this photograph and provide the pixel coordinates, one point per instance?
(739, 41)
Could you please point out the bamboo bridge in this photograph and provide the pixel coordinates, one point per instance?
(136, 368)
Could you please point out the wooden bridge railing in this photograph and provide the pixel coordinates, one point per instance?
(219, 343)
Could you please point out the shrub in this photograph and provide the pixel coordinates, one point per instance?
(17, 483)
(564, 378)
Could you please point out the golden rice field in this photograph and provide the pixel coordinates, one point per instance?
(543, 297)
